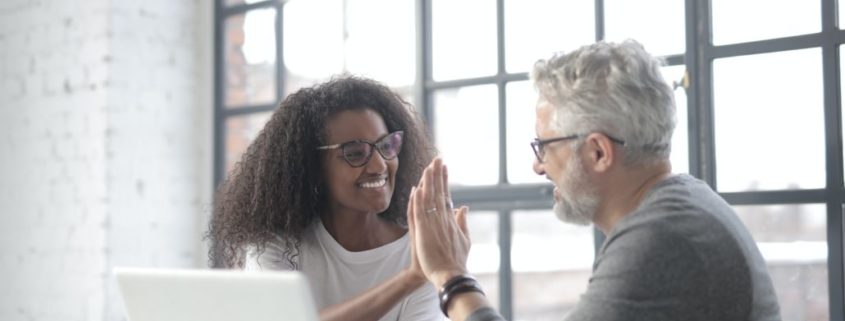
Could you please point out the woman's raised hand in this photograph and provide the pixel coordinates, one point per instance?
(439, 235)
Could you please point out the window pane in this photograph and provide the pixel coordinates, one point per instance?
(841, 22)
(769, 122)
(680, 139)
(463, 38)
(534, 29)
(792, 239)
(545, 286)
(313, 45)
(250, 58)
(521, 117)
(657, 24)
(240, 131)
(466, 130)
(483, 260)
(751, 20)
(237, 2)
(382, 47)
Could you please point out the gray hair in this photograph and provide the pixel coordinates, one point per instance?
(613, 88)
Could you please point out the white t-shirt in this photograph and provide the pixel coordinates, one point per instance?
(337, 275)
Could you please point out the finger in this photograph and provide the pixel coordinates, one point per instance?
(461, 219)
(439, 191)
(422, 182)
(412, 234)
(411, 201)
(419, 208)
(447, 194)
(428, 191)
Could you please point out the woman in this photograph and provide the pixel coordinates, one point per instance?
(324, 189)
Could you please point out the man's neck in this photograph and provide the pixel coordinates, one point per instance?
(626, 190)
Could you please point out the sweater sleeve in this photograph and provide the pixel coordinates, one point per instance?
(645, 273)
(485, 314)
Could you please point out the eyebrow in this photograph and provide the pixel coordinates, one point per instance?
(333, 146)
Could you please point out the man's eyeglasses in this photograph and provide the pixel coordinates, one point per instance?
(357, 152)
(538, 145)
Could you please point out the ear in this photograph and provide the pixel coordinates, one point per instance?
(601, 152)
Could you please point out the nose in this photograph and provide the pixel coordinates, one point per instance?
(377, 164)
(538, 167)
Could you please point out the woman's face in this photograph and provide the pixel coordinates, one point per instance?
(367, 188)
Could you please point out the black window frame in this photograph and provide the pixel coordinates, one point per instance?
(504, 198)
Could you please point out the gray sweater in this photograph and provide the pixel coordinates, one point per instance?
(683, 254)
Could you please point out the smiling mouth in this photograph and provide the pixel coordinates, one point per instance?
(374, 184)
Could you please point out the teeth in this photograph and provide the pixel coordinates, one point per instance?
(376, 184)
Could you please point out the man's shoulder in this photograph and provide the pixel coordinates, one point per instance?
(683, 247)
(679, 207)
(684, 261)
(681, 227)
(670, 219)
(675, 223)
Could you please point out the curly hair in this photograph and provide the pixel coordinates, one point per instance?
(277, 188)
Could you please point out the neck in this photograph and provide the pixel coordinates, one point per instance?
(360, 231)
(625, 193)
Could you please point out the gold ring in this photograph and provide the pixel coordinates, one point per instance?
(431, 210)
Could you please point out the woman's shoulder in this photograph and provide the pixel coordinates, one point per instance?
(273, 254)
(267, 256)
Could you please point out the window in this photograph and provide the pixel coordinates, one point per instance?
(783, 175)
(269, 49)
(759, 116)
(247, 83)
(495, 172)
(793, 241)
(793, 122)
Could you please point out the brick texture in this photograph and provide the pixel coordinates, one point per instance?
(105, 149)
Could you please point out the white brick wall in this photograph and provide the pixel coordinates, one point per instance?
(105, 148)
(157, 136)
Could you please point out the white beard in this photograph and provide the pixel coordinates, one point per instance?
(576, 207)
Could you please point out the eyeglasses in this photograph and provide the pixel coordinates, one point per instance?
(538, 145)
(358, 152)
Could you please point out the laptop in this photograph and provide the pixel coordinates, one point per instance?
(214, 295)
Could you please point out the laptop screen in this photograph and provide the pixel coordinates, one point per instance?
(214, 295)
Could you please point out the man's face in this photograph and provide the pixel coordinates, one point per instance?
(575, 198)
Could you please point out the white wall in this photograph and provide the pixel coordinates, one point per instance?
(105, 148)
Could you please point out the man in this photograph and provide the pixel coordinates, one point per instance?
(674, 249)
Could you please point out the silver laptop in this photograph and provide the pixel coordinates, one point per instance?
(214, 295)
